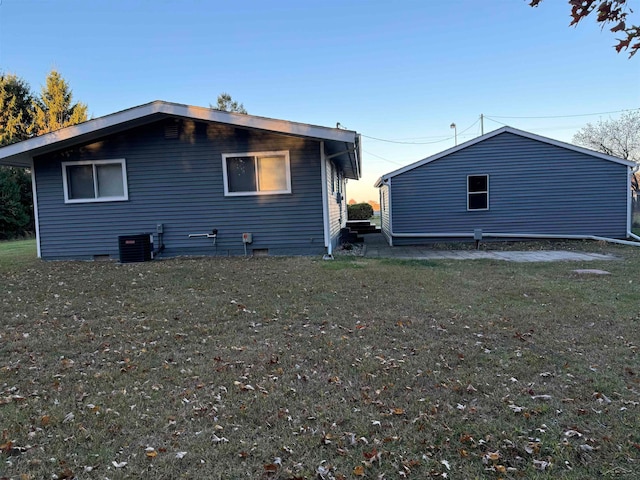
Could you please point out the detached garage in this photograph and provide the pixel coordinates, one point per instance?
(508, 184)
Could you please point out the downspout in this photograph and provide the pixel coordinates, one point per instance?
(389, 215)
(630, 234)
(36, 218)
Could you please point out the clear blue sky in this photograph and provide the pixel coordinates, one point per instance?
(400, 71)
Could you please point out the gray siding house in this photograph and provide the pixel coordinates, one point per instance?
(176, 170)
(508, 184)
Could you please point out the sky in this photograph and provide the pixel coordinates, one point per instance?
(399, 73)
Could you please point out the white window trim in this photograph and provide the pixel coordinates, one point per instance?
(472, 193)
(125, 188)
(281, 153)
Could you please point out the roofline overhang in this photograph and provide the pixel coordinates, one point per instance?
(20, 154)
(569, 146)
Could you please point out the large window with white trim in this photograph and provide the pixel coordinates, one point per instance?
(256, 173)
(478, 192)
(95, 181)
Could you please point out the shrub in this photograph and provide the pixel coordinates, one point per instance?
(360, 211)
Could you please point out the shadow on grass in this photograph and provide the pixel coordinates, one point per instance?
(410, 263)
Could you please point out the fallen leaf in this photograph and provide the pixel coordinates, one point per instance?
(66, 473)
(541, 397)
(358, 471)
(270, 468)
(372, 454)
(541, 465)
(493, 456)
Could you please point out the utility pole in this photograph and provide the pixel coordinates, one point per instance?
(481, 124)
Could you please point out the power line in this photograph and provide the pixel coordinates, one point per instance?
(496, 121)
(404, 143)
(418, 143)
(567, 116)
(382, 158)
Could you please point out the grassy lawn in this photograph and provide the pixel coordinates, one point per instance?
(292, 368)
(17, 253)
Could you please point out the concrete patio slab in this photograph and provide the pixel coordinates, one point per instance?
(375, 246)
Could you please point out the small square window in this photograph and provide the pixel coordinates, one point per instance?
(265, 173)
(478, 192)
(94, 181)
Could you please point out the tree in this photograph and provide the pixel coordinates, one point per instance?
(14, 215)
(16, 117)
(375, 205)
(16, 111)
(619, 137)
(54, 110)
(610, 13)
(226, 104)
(21, 116)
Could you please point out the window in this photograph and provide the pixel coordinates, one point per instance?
(262, 173)
(94, 181)
(478, 192)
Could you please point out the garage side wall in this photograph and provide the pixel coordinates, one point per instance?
(534, 188)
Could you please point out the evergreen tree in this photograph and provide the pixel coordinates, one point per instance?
(227, 104)
(16, 111)
(14, 216)
(16, 118)
(22, 116)
(54, 109)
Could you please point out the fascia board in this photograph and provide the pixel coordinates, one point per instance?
(150, 111)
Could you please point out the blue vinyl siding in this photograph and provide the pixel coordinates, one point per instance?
(178, 182)
(534, 188)
(385, 225)
(337, 210)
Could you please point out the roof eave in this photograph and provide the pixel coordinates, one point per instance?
(515, 131)
(22, 152)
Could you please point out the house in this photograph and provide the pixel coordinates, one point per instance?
(201, 181)
(507, 184)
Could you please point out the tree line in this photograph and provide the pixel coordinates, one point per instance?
(25, 114)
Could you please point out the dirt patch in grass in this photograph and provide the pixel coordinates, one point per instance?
(290, 368)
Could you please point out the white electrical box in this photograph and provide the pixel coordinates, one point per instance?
(247, 237)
